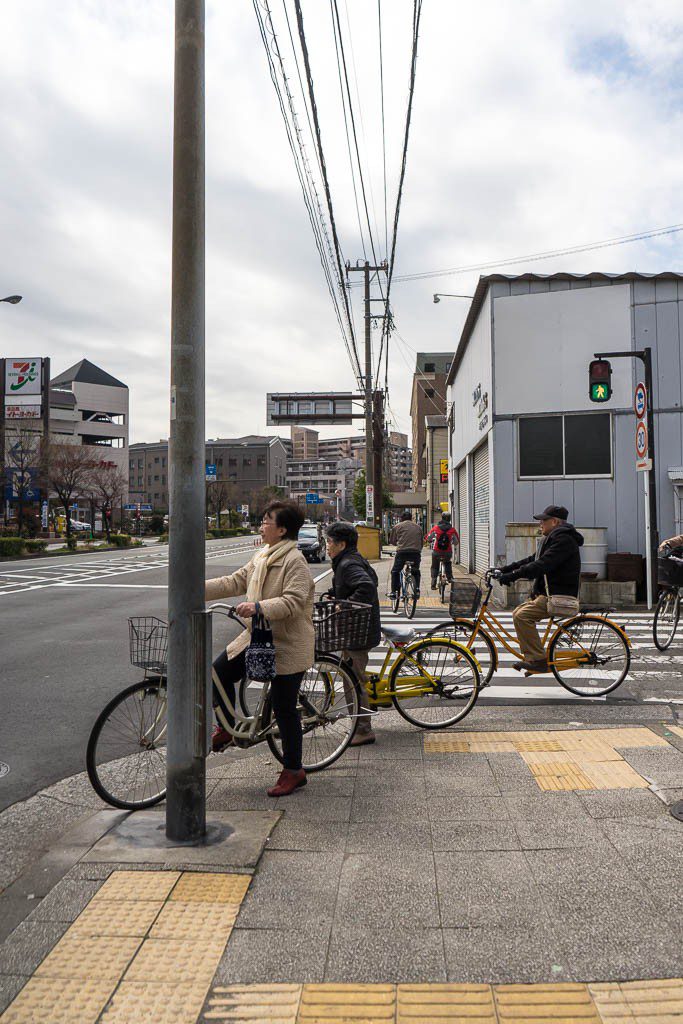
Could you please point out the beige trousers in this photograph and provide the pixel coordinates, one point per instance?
(359, 663)
(525, 616)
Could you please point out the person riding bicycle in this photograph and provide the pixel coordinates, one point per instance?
(407, 536)
(673, 544)
(355, 580)
(555, 570)
(276, 582)
(441, 539)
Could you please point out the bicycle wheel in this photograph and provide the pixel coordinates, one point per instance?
(442, 589)
(396, 600)
(329, 705)
(434, 683)
(126, 753)
(409, 598)
(589, 656)
(482, 647)
(665, 621)
(248, 694)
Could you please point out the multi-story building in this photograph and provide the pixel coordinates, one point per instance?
(428, 398)
(398, 461)
(436, 460)
(246, 465)
(304, 443)
(88, 406)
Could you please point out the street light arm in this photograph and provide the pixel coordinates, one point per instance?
(12, 298)
(450, 295)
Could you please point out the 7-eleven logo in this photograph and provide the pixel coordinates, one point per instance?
(21, 373)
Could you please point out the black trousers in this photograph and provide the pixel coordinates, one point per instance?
(284, 690)
(400, 559)
(447, 559)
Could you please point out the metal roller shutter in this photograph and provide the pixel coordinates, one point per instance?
(481, 508)
(463, 550)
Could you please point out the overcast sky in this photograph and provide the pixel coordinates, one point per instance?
(536, 126)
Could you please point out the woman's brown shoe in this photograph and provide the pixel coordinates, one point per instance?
(288, 782)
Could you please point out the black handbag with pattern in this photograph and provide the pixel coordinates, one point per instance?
(259, 657)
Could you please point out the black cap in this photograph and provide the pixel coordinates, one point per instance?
(553, 512)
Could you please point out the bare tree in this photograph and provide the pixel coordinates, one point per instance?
(107, 485)
(69, 467)
(23, 461)
(217, 497)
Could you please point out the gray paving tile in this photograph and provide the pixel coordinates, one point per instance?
(389, 807)
(265, 955)
(298, 807)
(468, 807)
(623, 949)
(380, 837)
(664, 765)
(393, 955)
(481, 782)
(546, 834)
(622, 803)
(511, 773)
(243, 794)
(537, 805)
(66, 901)
(650, 832)
(29, 944)
(312, 836)
(486, 889)
(505, 955)
(474, 835)
(10, 987)
(291, 890)
(385, 891)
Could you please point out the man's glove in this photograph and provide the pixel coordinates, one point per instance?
(506, 578)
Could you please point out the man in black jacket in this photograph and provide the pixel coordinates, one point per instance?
(355, 580)
(555, 570)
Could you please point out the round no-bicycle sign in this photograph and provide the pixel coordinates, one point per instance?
(641, 440)
(640, 401)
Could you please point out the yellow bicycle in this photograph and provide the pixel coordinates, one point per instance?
(588, 654)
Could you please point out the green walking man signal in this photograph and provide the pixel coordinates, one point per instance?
(600, 380)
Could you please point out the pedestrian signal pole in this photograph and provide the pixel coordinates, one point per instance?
(599, 384)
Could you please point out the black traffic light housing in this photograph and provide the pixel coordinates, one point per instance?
(600, 380)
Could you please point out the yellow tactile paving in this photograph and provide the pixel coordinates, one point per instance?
(545, 1004)
(445, 1004)
(268, 1004)
(129, 917)
(639, 1002)
(95, 958)
(188, 920)
(561, 760)
(138, 885)
(59, 1001)
(203, 887)
(176, 961)
(154, 1003)
(332, 1003)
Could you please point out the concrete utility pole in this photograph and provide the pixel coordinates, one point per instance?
(186, 777)
(378, 450)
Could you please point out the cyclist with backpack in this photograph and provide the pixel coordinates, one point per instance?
(442, 538)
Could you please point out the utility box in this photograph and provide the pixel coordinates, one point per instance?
(369, 542)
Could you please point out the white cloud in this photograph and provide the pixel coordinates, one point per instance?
(535, 126)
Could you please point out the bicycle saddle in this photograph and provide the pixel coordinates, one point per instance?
(399, 632)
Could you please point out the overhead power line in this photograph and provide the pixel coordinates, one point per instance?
(548, 254)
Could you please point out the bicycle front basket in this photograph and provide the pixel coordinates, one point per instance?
(465, 598)
(670, 571)
(341, 625)
(148, 643)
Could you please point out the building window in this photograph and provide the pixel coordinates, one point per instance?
(429, 392)
(156, 479)
(261, 460)
(139, 463)
(246, 461)
(163, 478)
(430, 368)
(232, 462)
(565, 446)
(156, 460)
(163, 460)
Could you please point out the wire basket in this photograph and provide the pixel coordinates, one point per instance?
(341, 625)
(670, 571)
(148, 643)
(465, 598)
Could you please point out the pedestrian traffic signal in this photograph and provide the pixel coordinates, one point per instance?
(600, 380)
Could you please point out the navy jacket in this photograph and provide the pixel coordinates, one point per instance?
(559, 559)
(355, 580)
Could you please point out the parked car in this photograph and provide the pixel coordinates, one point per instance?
(77, 525)
(311, 544)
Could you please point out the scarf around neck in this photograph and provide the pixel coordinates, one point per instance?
(261, 561)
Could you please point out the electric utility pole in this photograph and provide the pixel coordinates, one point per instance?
(371, 454)
(185, 772)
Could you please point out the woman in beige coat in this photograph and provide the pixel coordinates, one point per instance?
(277, 584)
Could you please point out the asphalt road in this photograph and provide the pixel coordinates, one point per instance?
(64, 650)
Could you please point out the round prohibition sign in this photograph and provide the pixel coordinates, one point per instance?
(640, 401)
(641, 440)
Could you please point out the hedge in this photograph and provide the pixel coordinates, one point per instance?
(120, 540)
(36, 545)
(12, 546)
(233, 531)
